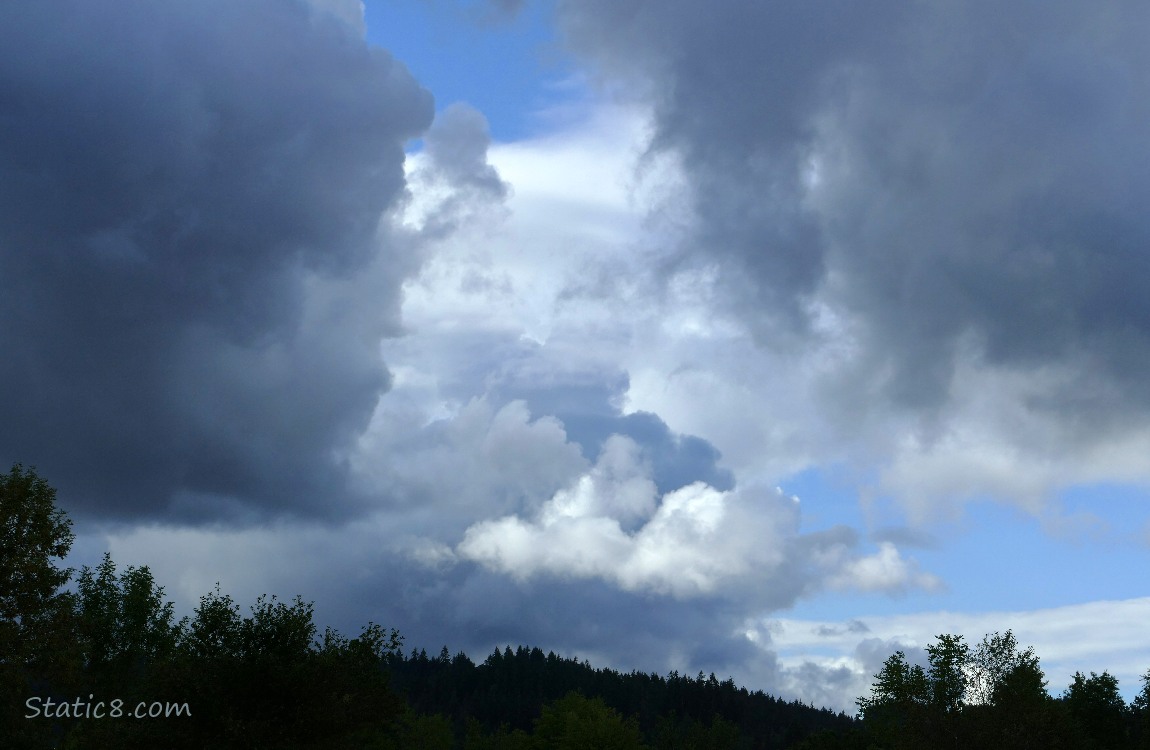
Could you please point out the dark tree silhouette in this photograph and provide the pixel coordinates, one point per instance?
(34, 612)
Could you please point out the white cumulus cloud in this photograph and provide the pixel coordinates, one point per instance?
(693, 541)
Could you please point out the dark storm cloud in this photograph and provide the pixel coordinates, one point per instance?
(476, 611)
(947, 175)
(183, 188)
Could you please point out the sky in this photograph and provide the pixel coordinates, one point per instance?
(761, 339)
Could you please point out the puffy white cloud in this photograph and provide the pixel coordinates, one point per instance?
(693, 541)
(886, 570)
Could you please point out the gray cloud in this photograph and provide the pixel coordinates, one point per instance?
(589, 419)
(455, 171)
(349, 12)
(952, 181)
(852, 626)
(905, 536)
(188, 187)
(493, 12)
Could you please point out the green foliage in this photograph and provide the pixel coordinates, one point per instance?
(1096, 706)
(676, 733)
(412, 731)
(992, 697)
(1008, 705)
(35, 615)
(502, 739)
(278, 631)
(1141, 702)
(898, 683)
(214, 631)
(575, 722)
(507, 692)
(990, 662)
(266, 681)
(1140, 713)
(897, 710)
(33, 533)
(991, 665)
(947, 676)
(831, 740)
(122, 621)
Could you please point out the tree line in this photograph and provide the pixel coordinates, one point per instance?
(991, 696)
(106, 664)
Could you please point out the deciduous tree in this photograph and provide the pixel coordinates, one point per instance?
(34, 534)
(34, 612)
(1096, 706)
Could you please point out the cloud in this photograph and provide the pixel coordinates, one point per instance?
(508, 6)
(456, 468)
(853, 626)
(886, 570)
(451, 177)
(916, 198)
(833, 663)
(349, 12)
(691, 542)
(192, 267)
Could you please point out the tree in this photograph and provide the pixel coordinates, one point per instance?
(278, 631)
(1007, 702)
(1096, 706)
(214, 630)
(991, 664)
(683, 733)
(33, 533)
(898, 683)
(948, 664)
(123, 622)
(913, 707)
(575, 722)
(896, 710)
(35, 646)
(1140, 707)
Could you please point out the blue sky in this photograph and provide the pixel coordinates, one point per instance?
(510, 67)
(762, 339)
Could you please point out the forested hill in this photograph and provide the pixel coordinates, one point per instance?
(511, 687)
(106, 664)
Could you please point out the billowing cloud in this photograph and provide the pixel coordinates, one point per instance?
(693, 541)
(459, 467)
(451, 176)
(189, 190)
(921, 198)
